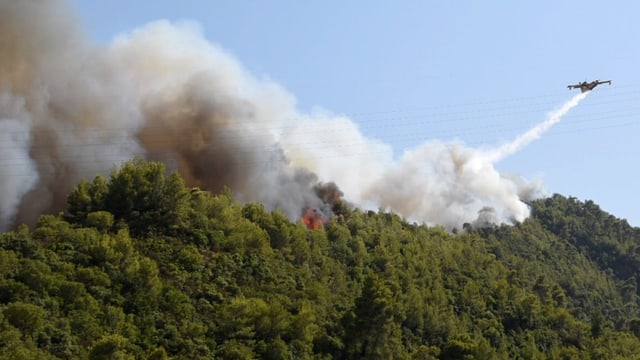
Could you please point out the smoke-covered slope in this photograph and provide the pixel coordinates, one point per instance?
(71, 108)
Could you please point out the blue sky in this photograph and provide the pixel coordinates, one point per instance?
(411, 71)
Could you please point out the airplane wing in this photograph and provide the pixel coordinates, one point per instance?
(585, 86)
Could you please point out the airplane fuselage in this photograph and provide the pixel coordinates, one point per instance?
(588, 86)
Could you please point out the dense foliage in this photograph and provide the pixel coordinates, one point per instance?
(143, 267)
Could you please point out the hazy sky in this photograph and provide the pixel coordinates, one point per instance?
(411, 71)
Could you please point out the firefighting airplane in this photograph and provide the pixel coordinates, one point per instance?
(585, 86)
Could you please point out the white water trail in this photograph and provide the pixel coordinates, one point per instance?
(510, 148)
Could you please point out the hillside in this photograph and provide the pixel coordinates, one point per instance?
(142, 266)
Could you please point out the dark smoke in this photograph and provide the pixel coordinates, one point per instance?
(70, 109)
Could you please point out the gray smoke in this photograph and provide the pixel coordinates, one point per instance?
(71, 109)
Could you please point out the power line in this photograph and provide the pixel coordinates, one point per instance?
(120, 135)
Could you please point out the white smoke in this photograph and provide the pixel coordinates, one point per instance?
(451, 184)
(71, 109)
(19, 173)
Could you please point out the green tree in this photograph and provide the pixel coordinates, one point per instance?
(372, 331)
(111, 347)
(28, 318)
(139, 193)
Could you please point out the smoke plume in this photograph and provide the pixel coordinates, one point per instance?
(71, 109)
(450, 184)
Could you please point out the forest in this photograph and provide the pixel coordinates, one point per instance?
(140, 266)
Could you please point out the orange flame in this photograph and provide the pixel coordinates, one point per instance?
(313, 219)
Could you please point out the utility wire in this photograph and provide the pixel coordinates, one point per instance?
(107, 137)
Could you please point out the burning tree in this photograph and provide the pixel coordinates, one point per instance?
(330, 204)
